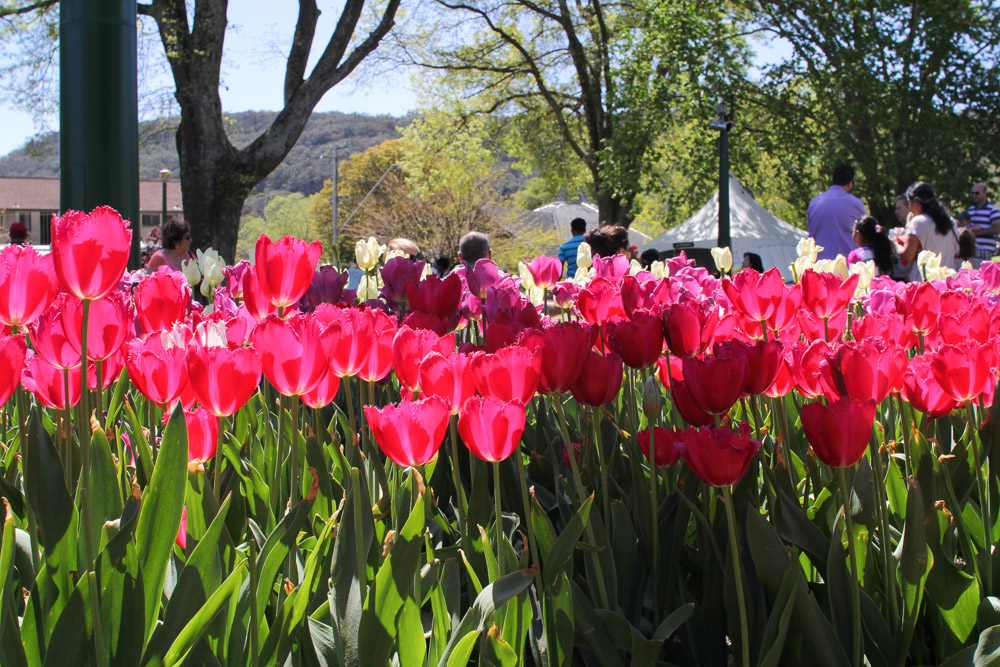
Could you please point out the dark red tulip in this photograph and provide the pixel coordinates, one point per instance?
(448, 377)
(922, 391)
(49, 338)
(410, 346)
(511, 373)
(638, 341)
(13, 350)
(563, 347)
(438, 297)
(491, 428)
(600, 301)
(411, 433)
(159, 372)
(161, 299)
(599, 381)
(719, 456)
(839, 431)
(223, 379)
(689, 326)
(716, 383)
(484, 275)
(109, 324)
(689, 410)
(667, 453)
(327, 286)
(90, 252)
(27, 285)
(753, 295)
(285, 268)
(545, 271)
(45, 382)
(965, 371)
(292, 352)
(502, 334)
(825, 295)
(763, 359)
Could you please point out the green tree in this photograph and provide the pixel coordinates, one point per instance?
(902, 89)
(583, 88)
(285, 214)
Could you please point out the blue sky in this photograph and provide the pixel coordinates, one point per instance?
(253, 69)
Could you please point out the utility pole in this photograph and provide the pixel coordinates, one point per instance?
(723, 123)
(336, 202)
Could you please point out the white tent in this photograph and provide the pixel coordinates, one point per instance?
(752, 228)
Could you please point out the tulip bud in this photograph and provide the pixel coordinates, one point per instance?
(366, 253)
(866, 271)
(652, 398)
(191, 271)
(723, 259)
(527, 280)
(807, 248)
(584, 256)
(659, 270)
(206, 288)
(634, 267)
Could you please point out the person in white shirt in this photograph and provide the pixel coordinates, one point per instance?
(929, 227)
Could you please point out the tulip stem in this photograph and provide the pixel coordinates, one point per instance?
(294, 448)
(456, 475)
(578, 482)
(727, 492)
(98, 373)
(499, 516)
(654, 480)
(84, 403)
(217, 468)
(67, 433)
(532, 545)
(855, 589)
(254, 623)
(600, 462)
(349, 397)
(984, 497)
(279, 445)
(887, 558)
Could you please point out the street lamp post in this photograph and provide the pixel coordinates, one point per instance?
(164, 175)
(723, 123)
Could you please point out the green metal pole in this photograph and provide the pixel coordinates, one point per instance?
(98, 109)
(725, 240)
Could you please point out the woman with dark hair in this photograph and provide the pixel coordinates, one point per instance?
(176, 235)
(874, 245)
(929, 227)
(607, 240)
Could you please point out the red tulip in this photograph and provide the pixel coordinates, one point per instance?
(285, 268)
(292, 352)
(90, 252)
(814, 328)
(491, 428)
(783, 383)
(397, 275)
(638, 341)
(689, 326)
(613, 268)
(565, 293)
(563, 347)
(719, 456)
(686, 406)
(600, 301)
(434, 296)
(922, 390)
(891, 328)
(599, 381)
(545, 271)
(825, 295)
(510, 374)
(109, 324)
(666, 440)
(784, 317)
(13, 350)
(448, 377)
(410, 346)
(223, 379)
(324, 392)
(839, 431)
(484, 275)
(49, 338)
(27, 285)
(45, 381)
(258, 304)
(764, 361)
(920, 304)
(965, 371)
(379, 361)
(867, 369)
(427, 322)
(806, 367)
(350, 338)
(412, 432)
(159, 372)
(203, 434)
(161, 299)
(502, 334)
(182, 537)
(716, 383)
(753, 295)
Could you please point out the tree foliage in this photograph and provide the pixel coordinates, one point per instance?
(286, 214)
(903, 89)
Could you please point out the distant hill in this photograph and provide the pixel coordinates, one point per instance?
(304, 170)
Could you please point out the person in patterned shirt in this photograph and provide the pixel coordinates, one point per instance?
(984, 222)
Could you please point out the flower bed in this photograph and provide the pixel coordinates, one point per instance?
(462, 469)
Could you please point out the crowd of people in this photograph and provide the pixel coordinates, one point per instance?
(837, 221)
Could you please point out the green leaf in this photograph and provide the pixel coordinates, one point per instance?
(562, 549)
(673, 622)
(11, 650)
(160, 513)
(796, 528)
(392, 587)
(496, 652)
(462, 650)
(773, 641)
(988, 650)
(492, 597)
(199, 623)
(410, 634)
(73, 629)
(558, 620)
(915, 561)
(105, 490)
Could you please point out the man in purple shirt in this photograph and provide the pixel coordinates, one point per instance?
(831, 215)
